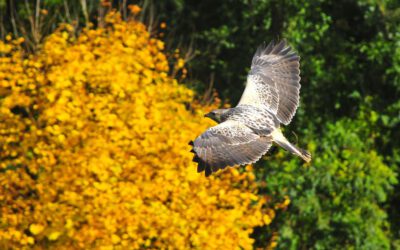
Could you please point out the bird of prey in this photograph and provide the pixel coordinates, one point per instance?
(246, 132)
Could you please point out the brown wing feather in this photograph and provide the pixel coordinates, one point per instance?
(274, 81)
(228, 144)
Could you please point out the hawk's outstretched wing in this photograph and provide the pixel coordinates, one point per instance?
(274, 81)
(227, 144)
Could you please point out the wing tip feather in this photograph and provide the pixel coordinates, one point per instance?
(201, 165)
(276, 46)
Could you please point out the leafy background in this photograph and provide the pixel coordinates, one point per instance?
(349, 117)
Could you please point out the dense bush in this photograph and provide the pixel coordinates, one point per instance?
(337, 200)
(349, 60)
(94, 150)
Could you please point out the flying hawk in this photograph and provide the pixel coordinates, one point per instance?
(246, 132)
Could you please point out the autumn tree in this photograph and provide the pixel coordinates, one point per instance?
(94, 152)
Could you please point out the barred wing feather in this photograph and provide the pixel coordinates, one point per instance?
(227, 144)
(274, 81)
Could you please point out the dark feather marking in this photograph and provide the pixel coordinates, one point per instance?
(200, 167)
(208, 171)
(231, 155)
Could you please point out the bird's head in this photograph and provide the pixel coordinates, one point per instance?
(216, 115)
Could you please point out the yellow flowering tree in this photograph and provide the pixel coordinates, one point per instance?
(94, 150)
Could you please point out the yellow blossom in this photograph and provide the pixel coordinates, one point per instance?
(31, 240)
(36, 228)
(267, 220)
(135, 9)
(115, 239)
(54, 236)
(95, 150)
(180, 63)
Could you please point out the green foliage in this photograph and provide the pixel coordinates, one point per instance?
(336, 201)
(350, 62)
(349, 51)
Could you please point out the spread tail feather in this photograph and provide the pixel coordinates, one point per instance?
(280, 139)
(305, 155)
